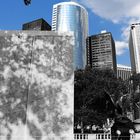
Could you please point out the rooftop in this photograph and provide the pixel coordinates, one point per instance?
(70, 3)
(123, 66)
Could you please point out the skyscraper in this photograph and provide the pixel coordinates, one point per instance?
(101, 51)
(70, 16)
(134, 46)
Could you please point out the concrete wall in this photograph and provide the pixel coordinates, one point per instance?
(36, 85)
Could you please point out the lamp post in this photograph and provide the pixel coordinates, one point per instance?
(118, 132)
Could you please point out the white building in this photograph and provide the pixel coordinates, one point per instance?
(70, 16)
(134, 46)
(123, 72)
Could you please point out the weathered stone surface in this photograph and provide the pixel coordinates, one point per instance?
(36, 85)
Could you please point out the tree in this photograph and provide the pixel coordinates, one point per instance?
(96, 94)
(135, 78)
(135, 93)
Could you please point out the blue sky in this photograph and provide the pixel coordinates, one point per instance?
(115, 16)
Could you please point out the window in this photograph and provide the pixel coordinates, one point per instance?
(77, 136)
(109, 136)
(84, 137)
(102, 136)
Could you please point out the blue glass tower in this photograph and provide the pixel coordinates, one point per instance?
(70, 16)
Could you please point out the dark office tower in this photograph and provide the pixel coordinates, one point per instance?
(39, 24)
(101, 51)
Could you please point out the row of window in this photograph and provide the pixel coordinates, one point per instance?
(80, 136)
(123, 74)
(102, 136)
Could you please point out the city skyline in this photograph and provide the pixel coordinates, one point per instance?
(106, 17)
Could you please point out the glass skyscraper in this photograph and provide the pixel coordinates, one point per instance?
(70, 16)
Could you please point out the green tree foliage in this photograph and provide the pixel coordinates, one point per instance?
(135, 93)
(135, 87)
(135, 78)
(96, 93)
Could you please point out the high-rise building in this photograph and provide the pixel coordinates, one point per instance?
(123, 72)
(70, 16)
(134, 46)
(101, 51)
(39, 24)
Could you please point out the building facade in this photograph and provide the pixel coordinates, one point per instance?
(123, 72)
(70, 16)
(101, 51)
(134, 47)
(39, 24)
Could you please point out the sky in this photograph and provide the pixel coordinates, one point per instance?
(114, 16)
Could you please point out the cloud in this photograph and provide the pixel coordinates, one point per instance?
(123, 66)
(121, 47)
(126, 29)
(114, 10)
(124, 12)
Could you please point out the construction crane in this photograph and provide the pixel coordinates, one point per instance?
(27, 2)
